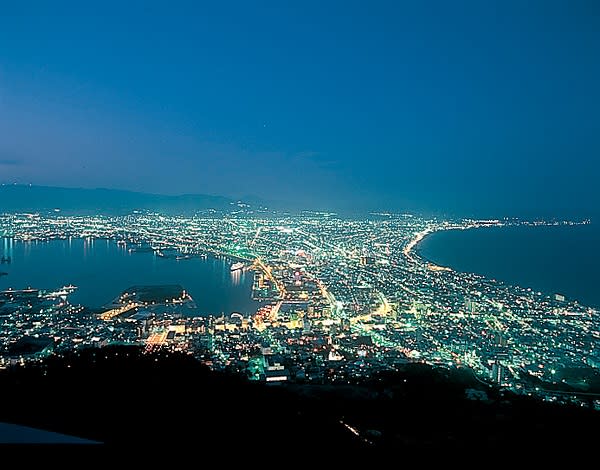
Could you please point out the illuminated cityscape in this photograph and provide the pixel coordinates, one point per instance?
(289, 232)
(340, 300)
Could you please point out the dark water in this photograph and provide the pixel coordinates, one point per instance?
(563, 259)
(102, 270)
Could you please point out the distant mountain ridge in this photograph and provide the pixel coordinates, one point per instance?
(25, 198)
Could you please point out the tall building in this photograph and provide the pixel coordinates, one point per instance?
(498, 372)
(470, 305)
(367, 260)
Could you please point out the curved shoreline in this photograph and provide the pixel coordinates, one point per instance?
(421, 236)
(429, 262)
(418, 238)
(168, 265)
(415, 254)
(413, 247)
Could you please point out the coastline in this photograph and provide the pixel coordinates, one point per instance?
(110, 269)
(413, 247)
(527, 274)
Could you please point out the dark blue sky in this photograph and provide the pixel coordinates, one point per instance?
(470, 107)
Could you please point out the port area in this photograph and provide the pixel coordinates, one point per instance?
(163, 252)
(152, 298)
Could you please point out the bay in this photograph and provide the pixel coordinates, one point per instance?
(552, 259)
(101, 270)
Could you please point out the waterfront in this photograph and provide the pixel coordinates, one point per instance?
(102, 270)
(554, 259)
(343, 299)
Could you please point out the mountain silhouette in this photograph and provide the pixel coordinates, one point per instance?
(25, 198)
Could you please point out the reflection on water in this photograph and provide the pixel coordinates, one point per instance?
(236, 277)
(7, 251)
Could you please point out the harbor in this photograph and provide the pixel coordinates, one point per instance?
(103, 268)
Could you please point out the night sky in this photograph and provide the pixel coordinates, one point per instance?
(487, 108)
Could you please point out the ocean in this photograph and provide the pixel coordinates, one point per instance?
(552, 259)
(102, 270)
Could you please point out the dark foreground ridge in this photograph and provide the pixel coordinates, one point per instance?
(123, 397)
